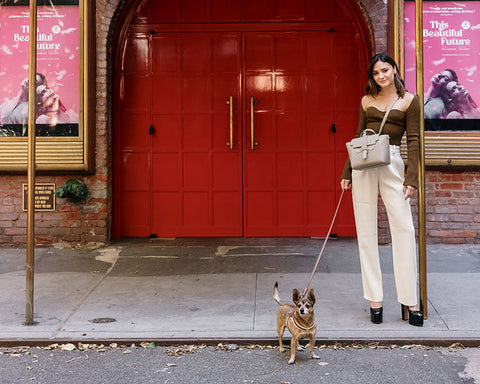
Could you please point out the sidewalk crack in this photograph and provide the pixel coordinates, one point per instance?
(112, 258)
(438, 313)
(255, 302)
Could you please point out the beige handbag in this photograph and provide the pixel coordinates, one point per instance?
(370, 150)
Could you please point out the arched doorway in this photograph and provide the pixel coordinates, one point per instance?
(231, 120)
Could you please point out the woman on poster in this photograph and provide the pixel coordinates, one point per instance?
(435, 100)
(48, 108)
(460, 104)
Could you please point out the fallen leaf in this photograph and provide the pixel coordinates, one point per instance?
(67, 347)
(51, 346)
(456, 346)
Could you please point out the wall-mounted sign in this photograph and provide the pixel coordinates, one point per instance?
(44, 197)
(64, 87)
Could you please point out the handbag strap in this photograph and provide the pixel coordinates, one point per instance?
(386, 115)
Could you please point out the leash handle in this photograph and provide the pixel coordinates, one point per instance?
(323, 247)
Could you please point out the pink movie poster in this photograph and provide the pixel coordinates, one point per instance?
(57, 80)
(451, 38)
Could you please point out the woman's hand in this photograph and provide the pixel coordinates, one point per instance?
(409, 191)
(345, 184)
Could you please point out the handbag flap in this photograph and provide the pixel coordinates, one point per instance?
(365, 142)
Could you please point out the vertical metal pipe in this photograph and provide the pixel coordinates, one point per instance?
(422, 244)
(396, 29)
(32, 81)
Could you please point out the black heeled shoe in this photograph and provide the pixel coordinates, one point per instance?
(413, 317)
(376, 315)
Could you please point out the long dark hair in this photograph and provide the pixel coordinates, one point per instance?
(372, 87)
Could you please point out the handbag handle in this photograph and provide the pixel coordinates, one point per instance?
(386, 114)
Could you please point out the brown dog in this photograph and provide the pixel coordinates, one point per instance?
(299, 319)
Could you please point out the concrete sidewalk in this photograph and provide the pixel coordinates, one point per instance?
(188, 290)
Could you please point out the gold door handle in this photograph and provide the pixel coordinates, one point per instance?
(253, 143)
(230, 101)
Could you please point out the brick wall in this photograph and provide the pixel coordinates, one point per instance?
(453, 206)
(452, 197)
(452, 200)
(375, 12)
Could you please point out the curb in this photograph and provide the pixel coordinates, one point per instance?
(432, 342)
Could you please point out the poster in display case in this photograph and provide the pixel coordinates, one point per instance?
(451, 42)
(63, 86)
(451, 68)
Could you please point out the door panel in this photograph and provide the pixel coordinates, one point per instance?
(135, 145)
(348, 92)
(289, 181)
(202, 70)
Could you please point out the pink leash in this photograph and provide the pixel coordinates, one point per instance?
(323, 247)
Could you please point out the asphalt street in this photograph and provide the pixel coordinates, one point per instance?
(147, 363)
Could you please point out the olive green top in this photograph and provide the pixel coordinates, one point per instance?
(397, 123)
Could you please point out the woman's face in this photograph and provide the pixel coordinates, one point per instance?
(46, 98)
(442, 78)
(456, 91)
(383, 74)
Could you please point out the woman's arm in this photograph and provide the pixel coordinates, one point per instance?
(412, 126)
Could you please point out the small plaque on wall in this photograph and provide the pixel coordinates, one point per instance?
(44, 197)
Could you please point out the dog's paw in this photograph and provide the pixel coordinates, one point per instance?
(281, 349)
(315, 356)
(300, 347)
(291, 361)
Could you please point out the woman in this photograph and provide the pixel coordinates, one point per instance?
(434, 107)
(384, 85)
(16, 111)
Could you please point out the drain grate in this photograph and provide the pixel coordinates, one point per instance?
(101, 320)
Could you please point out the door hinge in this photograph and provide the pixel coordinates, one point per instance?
(151, 130)
(334, 129)
(331, 30)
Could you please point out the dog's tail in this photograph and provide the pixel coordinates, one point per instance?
(276, 297)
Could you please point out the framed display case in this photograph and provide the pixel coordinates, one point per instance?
(65, 85)
(451, 65)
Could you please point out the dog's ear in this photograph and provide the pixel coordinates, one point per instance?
(311, 296)
(296, 295)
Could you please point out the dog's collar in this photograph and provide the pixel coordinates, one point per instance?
(301, 327)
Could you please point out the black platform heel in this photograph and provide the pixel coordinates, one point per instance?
(376, 315)
(413, 317)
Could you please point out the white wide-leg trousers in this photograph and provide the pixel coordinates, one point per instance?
(366, 184)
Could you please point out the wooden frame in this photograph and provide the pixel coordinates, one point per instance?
(63, 153)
